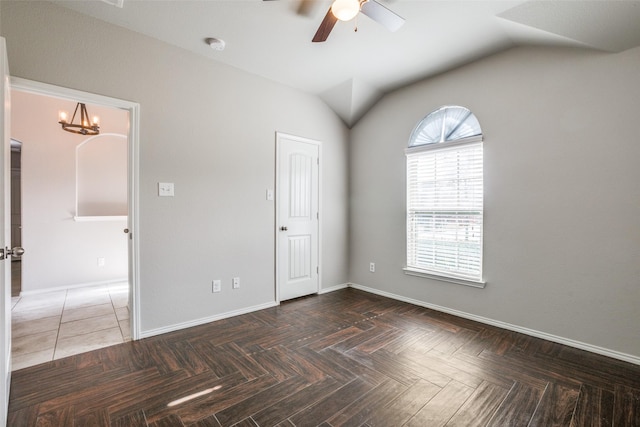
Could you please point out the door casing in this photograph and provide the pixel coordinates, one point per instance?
(133, 108)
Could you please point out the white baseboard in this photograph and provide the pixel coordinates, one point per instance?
(202, 321)
(532, 332)
(333, 288)
(74, 286)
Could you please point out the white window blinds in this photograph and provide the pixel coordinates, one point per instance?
(444, 210)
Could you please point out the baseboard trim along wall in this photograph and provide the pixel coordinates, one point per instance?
(532, 332)
(333, 288)
(76, 286)
(204, 320)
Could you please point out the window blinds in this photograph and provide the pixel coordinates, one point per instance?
(444, 210)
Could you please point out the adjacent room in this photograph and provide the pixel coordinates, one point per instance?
(338, 212)
(72, 288)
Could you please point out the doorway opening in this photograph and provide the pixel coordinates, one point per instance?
(78, 217)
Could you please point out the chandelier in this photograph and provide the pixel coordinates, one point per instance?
(84, 127)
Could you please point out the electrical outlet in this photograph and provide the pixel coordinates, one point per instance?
(235, 282)
(216, 286)
(101, 262)
(372, 267)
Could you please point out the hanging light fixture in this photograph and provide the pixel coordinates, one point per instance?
(85, 127)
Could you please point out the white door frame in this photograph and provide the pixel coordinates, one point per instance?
(39, 88)
(280, 135)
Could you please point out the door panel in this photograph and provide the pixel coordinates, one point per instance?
(299, 257)
(5, 234)
(297, 238)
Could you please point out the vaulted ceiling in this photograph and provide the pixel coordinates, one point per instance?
(353, 69)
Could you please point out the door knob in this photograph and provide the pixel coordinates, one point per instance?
(283, 228)
(126, 231)
(6, 252)
(17, 251)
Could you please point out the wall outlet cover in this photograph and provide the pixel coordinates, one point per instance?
(216, 286)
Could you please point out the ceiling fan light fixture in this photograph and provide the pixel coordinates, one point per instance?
(345, 10)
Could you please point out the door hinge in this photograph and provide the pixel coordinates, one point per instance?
(318, 269)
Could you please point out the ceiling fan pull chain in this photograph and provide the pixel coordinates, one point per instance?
(355, 30)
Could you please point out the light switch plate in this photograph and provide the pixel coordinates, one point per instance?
(165, 189)
(269, 194)
(216, 286)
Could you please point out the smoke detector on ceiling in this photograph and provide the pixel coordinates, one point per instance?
(215, 44)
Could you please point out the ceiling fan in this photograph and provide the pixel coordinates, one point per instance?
(346, 10)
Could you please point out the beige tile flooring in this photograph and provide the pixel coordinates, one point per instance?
(54, 325)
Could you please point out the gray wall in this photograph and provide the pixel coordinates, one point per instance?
(562, 193)
(208, 128)
(561, 227)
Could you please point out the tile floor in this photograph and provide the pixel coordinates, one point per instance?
(54, 325)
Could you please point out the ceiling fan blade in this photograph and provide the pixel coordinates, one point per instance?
(305, 7)
(382, 15)
(325, 27)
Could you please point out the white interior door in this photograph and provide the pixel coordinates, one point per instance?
(297, 215)
(5, 234)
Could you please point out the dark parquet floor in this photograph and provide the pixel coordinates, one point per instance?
(347, 358)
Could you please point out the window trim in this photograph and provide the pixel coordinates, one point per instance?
(443, 145)
(409, 271)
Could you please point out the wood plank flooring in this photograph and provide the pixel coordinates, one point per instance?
(347, 358)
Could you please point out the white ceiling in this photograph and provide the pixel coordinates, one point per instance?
(352, 70)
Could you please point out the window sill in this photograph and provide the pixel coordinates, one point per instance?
(465, 282)
(100, 218)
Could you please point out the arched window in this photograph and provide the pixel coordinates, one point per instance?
(445, 197)
(445, 124)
